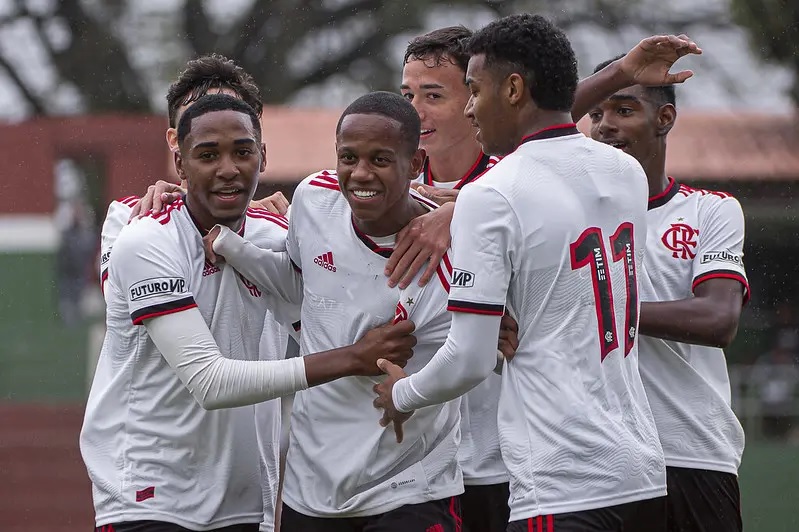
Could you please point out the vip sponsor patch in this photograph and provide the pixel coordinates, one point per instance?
(157, 287)
(462, 278)
(723, 256)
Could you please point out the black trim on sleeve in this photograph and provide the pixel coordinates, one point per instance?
(722, 274)
(160, 310)
(489, 309)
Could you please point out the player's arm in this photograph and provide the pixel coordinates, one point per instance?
(155, 282)
(272, 271)
(483, 239)
(648, 64)
(720, 287)
(116, 218)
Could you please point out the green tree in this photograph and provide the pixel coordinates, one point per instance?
(773, 27)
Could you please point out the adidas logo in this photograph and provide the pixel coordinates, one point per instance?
(209, 269)
(325, 260)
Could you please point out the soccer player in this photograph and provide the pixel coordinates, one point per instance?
(689, 312)
(344, 472)
(433, 81)
(556, 231)
(163, 443)
(214, 74)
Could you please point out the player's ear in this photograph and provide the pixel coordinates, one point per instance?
(667, 114)
(172, 139)
(514, 88)
(179, 165)
(263, 158)
(417, 161)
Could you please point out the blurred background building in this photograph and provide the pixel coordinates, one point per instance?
(82, 119)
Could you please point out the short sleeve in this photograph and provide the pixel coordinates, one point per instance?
(484, 232)
(149, 272)
(721, 240)
(292, 242)
(115, 219)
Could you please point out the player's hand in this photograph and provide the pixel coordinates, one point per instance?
(393, 342)
(276, 203)
(424, 240)
(648, 63)
(208, 244)
(385, 398)
(508, 337)
(159, 195)
(438, 195)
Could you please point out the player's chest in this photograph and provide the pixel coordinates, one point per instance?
(673, 237)
(339, 269)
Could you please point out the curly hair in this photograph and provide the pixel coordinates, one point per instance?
(208, 72)
(537, 50)
(441, 45)
(660, 94)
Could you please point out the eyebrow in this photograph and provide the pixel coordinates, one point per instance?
(214, 144)
(425, 86)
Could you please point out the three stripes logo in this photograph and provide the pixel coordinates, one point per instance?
(325, 260)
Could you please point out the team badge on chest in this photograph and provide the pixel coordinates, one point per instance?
(680, 239)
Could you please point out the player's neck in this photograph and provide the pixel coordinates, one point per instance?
(393, 221)
(205, 222)
(535, 122)
(453, 164)
(656, 173)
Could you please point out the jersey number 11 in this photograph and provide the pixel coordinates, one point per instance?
(589, 250)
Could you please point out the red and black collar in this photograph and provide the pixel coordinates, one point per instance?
(658, 200)
(477, 169)
(551, 132)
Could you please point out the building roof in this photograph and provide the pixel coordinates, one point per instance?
(706, 146)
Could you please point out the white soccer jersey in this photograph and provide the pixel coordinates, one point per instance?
(115, 219)
(273, 342)
(557, 229)
(152, 452)
(479, 453)
(694, 235)
(341, 463)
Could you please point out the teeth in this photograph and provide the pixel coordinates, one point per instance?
(426, 131)
(364, 193)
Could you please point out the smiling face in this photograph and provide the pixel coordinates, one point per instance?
(437, 91)
(631, 121)
(220, 159)
(375, 165)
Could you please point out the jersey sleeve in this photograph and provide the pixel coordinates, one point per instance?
(116, 218)
(484, 230)
(292, 242)
(149, 272)
(721, 240)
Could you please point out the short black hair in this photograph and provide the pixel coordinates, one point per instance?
(444, 44)
(208, 72)
(390, 105)
(660, 94)
(216, 102)
(536, 49)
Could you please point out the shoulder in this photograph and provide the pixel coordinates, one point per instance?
(320, 181)
(119, 211)
(266, 229)
(710, 202)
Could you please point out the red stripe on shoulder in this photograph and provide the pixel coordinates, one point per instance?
(165, 216)
(130, 201)
(264, 214)
(447, 262)
(324, 184)
(326, 175)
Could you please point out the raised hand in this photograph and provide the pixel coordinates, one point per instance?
(276, 203)
(649, 62)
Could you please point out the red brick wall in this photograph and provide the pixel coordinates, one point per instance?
(132, 148)
(43, 483)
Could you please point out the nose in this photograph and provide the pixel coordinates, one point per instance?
(605, 126)
(416, 102)
(468, 111)
(227, 168)
(361, 171)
